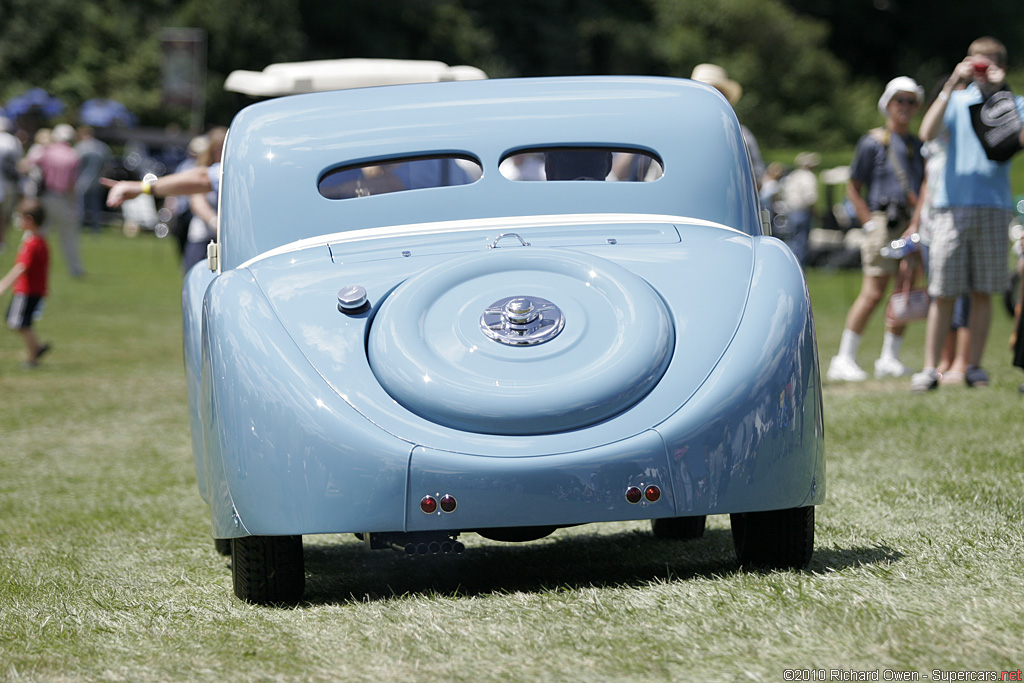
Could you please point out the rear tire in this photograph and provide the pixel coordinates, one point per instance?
(679, 528)
(223, 546)
(777, 539)
(268, 569)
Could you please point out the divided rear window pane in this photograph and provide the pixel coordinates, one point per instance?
(541, 164)
(582, 163)
(398, 175)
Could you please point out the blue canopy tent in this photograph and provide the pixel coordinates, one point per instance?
(104, 113)
(35, 100)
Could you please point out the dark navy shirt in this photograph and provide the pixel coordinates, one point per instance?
(872, 168)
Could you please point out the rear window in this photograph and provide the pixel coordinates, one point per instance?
(398, 175)
(582, 163)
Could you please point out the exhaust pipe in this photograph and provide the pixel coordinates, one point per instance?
(418, 543)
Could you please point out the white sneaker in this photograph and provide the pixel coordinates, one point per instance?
(890, 367)
(843, 369)
(926, 380)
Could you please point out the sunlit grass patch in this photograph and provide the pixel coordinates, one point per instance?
(107, 570)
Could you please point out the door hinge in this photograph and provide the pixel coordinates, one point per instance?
(213, 255)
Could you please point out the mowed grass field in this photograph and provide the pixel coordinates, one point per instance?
(107, 571)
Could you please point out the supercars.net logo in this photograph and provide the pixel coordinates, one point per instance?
(818, 675)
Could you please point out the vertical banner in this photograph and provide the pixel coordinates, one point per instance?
(184, 71)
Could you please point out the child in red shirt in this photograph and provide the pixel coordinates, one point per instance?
(29, 275)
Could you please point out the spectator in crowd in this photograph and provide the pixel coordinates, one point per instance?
(200, 180)
(195, 180)
(583, 164)
(31, 174)
(1017, 336)
(181, 212)
(953, 361)
(800, 197)
(968, 252)
(771, 184)
(889, 167)
(10, 179)
(717, 77)
(523, 166)
(770, 194)
(202, 228)
(29, 277)
(57, 165)
(94, 157)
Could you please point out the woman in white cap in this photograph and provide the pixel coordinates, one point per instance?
(885, 179)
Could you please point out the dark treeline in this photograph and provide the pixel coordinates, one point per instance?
(811, 71)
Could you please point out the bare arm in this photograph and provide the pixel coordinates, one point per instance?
(915, 220)
(201, 207)
(853, 192)
(932, 125)
(193, 181)
(11, 276)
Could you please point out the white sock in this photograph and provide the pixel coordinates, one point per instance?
(891, 346)
(848, 344)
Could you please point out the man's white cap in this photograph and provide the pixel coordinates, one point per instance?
(900, 84)
(63, 133)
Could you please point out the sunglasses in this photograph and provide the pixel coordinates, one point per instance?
(904, 100)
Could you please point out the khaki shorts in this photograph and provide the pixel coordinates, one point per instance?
(871, 260)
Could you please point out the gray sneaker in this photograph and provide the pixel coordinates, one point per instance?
(976, 377)
(926, 380)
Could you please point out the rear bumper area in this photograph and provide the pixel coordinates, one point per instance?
(571, 488)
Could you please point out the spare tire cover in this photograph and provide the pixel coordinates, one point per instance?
(429, 349)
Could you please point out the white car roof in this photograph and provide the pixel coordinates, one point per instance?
(293, 78)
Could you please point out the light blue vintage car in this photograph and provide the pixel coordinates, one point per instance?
(499, 307)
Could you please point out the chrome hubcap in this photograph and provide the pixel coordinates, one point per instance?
(522, 321)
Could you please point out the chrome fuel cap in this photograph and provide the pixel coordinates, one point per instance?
(522, 321)
(351, 298)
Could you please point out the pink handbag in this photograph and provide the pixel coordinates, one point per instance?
(909, 300)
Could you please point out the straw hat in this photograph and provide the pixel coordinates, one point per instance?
(716, 76)
(808, 159)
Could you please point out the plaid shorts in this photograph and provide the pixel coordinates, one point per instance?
(969, 250)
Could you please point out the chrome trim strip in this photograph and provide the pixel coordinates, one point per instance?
(503, 223)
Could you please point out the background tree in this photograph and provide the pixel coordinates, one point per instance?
(796, 93)
(811, 71)
(242, 35)
(882, 39)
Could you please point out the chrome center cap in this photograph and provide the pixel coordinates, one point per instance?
(522, 321)
(520, 311)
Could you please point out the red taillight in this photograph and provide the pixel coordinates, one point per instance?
(650, 493)
(428, 505)
(448, 503)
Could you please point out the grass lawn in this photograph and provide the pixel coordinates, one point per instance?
(107, 571)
